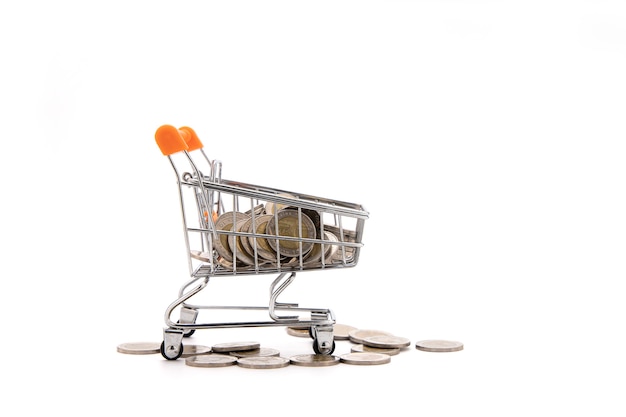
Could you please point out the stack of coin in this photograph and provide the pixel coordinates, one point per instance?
(250, 245)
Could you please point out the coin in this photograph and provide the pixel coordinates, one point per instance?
(365, 358)
(201, 256)
(314, 360)
(439, 345)
(235, 243)
(290, 226)
(358, 336)
(212, 360)
(235, 346)
(255, 352)
(386, 351)
(263, 248)
(384, 341)
(225, 222)
(263, 362)
(193, 350)
(139, 348)
(342, 331)
(298, 332)
(271, 206)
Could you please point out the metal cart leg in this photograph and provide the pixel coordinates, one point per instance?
(323, 339)
(188, 316)
(172, 345)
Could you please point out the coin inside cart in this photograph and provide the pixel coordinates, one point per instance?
(235, 346)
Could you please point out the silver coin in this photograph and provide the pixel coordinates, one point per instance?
(365, 358)
(289, 225)
(342, 331)
(314, 360)
(263, 362)
(235, 346)
(384, 341)
(255, 352)
(193, 350)
(225, 222)
(439, 345)
(201, 256)
(235, 243)
(298, 332)
(358, 336)
(211, 360)
(386, 351)
(139, 348)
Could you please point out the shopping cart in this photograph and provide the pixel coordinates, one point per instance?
(233, 228)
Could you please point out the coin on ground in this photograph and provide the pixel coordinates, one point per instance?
(235, 346)
(263, 362)
(439, 345)
(386, 351)
(382, 341)
(255, 352)
(211, 360)
(342, 331)
(314, 360)
(139, 348)
(193, 350)
(365, 358)
(298, 332)
(359, 335)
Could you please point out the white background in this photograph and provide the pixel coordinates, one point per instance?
(485, 138)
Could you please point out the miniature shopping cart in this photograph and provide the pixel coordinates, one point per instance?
(233, 228)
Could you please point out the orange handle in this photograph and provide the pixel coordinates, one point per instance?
(171, 140)
(193, 142)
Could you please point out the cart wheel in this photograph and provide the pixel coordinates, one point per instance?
(319, 351)
(171, 354)
(186, 333)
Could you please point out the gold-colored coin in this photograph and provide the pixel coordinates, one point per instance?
(289, 225)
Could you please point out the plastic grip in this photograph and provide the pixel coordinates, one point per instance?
(193, 142)
(171, 140)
